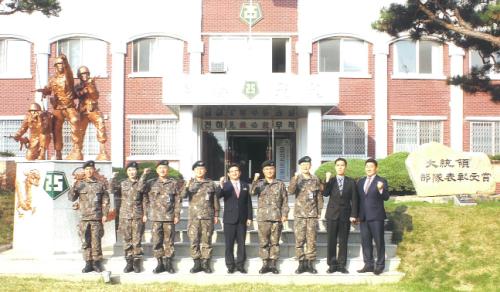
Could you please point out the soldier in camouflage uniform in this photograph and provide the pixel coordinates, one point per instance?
(306, 188)
(203, 214)
(130, 203)
(164, 202)
(272, 211)
(94, 206)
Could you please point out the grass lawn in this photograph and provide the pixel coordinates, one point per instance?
(448, 249)
(6, 217)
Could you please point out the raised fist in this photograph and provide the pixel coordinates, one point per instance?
(256, 176)
(328, 175)
(147, 171)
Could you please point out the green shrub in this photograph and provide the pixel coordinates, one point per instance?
(149, 164)
(6, 154)
(495, 157)
(392, 168)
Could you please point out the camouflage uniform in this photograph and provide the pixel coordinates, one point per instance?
(203, 207)
(131, 205)
(308, 205)
(164, 202)
(94, 205)
(272, 206)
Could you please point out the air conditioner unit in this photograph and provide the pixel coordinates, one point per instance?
(218, 67)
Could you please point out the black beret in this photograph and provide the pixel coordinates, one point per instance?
(132, 164)
(90, 163)
(162, 162)
(268, 163)
(305, 159)
(198, 163)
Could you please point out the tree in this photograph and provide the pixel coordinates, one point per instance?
(47, 7)
(471, 25)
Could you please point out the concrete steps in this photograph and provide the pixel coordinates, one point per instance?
(69, 267)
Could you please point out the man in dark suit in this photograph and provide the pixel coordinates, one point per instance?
(373, 191)
(342, 210)
(238, 214)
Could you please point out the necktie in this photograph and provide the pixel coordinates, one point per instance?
(340, 182)
(237, 190)
(367, 184)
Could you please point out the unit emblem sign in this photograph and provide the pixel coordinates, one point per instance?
(250, 89)
(55, 184)
(251, 13)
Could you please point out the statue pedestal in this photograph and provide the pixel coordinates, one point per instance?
(44, 220)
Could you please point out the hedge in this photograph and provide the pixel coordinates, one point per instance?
(392, 168)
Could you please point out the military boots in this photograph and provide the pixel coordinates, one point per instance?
(301, 269)
(196, 267)
(97, 266)
(160, 267)
(168, 265)
(88, 267)
(310, 267)
(272, 267)
(137, 265)
(129, 267)
(206, 266)
(265, 267)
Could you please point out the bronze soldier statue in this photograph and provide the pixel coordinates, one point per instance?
(130, 202)
(40, 125)
(164, 203)
(61, 86)
(272, 211)
(204, 209)
(94, 207)
(87, 93)
(306, 188)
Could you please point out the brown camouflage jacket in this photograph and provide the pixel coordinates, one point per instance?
(202, 197)
(163, 199)
(93, 198)
(129, 198)
(308, 197)
(272, 200)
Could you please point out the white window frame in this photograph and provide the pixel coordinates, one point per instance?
(362, 74)
(418, 120)
(218, 57)
(158, 156)
(11, 63)
(437, 65)
(495, 130)
(493, 74)
(102, 70)
(12, 146)
(159, 58)
(354, 118)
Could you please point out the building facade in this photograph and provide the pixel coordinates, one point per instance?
(244, 81)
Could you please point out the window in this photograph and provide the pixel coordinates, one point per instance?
(153, 137)
(158, 55)
(409, 134)
(90, 143)
(418, 57)
(7, 128)
(85, 52)
(15, 58)
(485, 137)
(346, 138)
(239, 55)
(343, 55)
(477, 61)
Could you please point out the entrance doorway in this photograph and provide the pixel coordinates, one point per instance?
(249, 149)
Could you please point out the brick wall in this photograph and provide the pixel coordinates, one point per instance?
(16, 94)
(223, 16)
(418, 97)
(478, 104)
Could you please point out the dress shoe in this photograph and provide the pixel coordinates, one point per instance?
(241, 269)
(343, 270)
(365, 269)
(378, 271)
(331, 269)
(230, 269)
